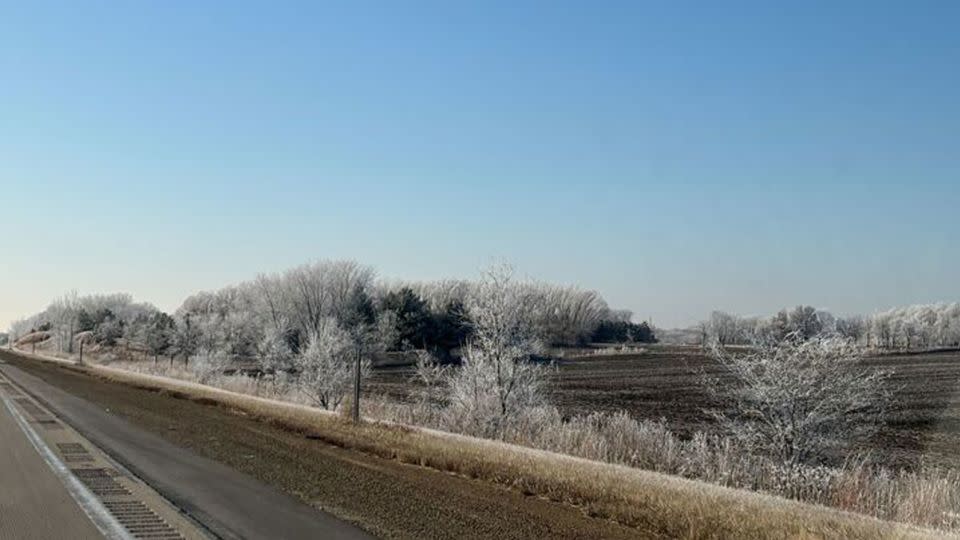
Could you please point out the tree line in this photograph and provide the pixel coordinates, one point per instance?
(800, 395)
(921, 326)
(276, 316)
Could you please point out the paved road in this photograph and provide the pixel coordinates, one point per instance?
(230, 504)
(34, 502)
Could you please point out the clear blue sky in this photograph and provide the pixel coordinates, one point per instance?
(677, 156)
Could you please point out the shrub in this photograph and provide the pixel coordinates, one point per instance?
(800, 401)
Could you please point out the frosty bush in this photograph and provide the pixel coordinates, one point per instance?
(274, 351)
(326, 366)
(497, 381)
(208, 365)
(801, 401)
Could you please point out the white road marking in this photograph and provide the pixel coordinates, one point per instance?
(98, 514)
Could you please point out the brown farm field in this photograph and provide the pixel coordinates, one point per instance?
(667, 382)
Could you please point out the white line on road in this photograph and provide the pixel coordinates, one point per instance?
(98, 514)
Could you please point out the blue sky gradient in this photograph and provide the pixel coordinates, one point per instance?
(677, 156)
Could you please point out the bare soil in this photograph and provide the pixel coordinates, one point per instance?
(667, 382)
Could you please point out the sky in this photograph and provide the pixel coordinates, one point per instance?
(678, 157)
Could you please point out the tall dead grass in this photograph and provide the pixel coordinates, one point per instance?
(927, 497)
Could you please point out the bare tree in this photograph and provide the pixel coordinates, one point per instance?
(564, 315)
(800, 400)
(722, 327)
(62, 314)
(269, 295)
(430, 375)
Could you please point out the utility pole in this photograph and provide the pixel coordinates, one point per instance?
(356, 388)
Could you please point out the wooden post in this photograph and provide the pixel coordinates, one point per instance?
(81, 352)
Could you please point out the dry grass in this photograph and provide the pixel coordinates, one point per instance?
(35, 337)
(927, 497)
(654, 503)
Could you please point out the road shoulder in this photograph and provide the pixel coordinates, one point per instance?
(228, 503)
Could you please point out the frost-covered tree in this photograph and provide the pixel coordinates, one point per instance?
(269, 297)
(21, 327)
(71, 314)
(368, 334)
(561, 315)
(326, 365)
(186, 339)
(121, 305)
(429, 374)
(801, 401)
(314, 292)
(915, 327)
(210, 364)
(413, 321)
(62, 315)
(565, 315)
(723, 328)
(238, 333)
(451, 326)
(805, 323)
(426, 315)
(779, 327)
(108, 330)
(274, 349)
(158, 334)
(497, 380)
(802, 322)
(853, 328)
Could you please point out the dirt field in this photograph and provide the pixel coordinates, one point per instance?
(665, 382)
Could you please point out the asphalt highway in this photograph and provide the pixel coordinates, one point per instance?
(225, 502)
(34, 502)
